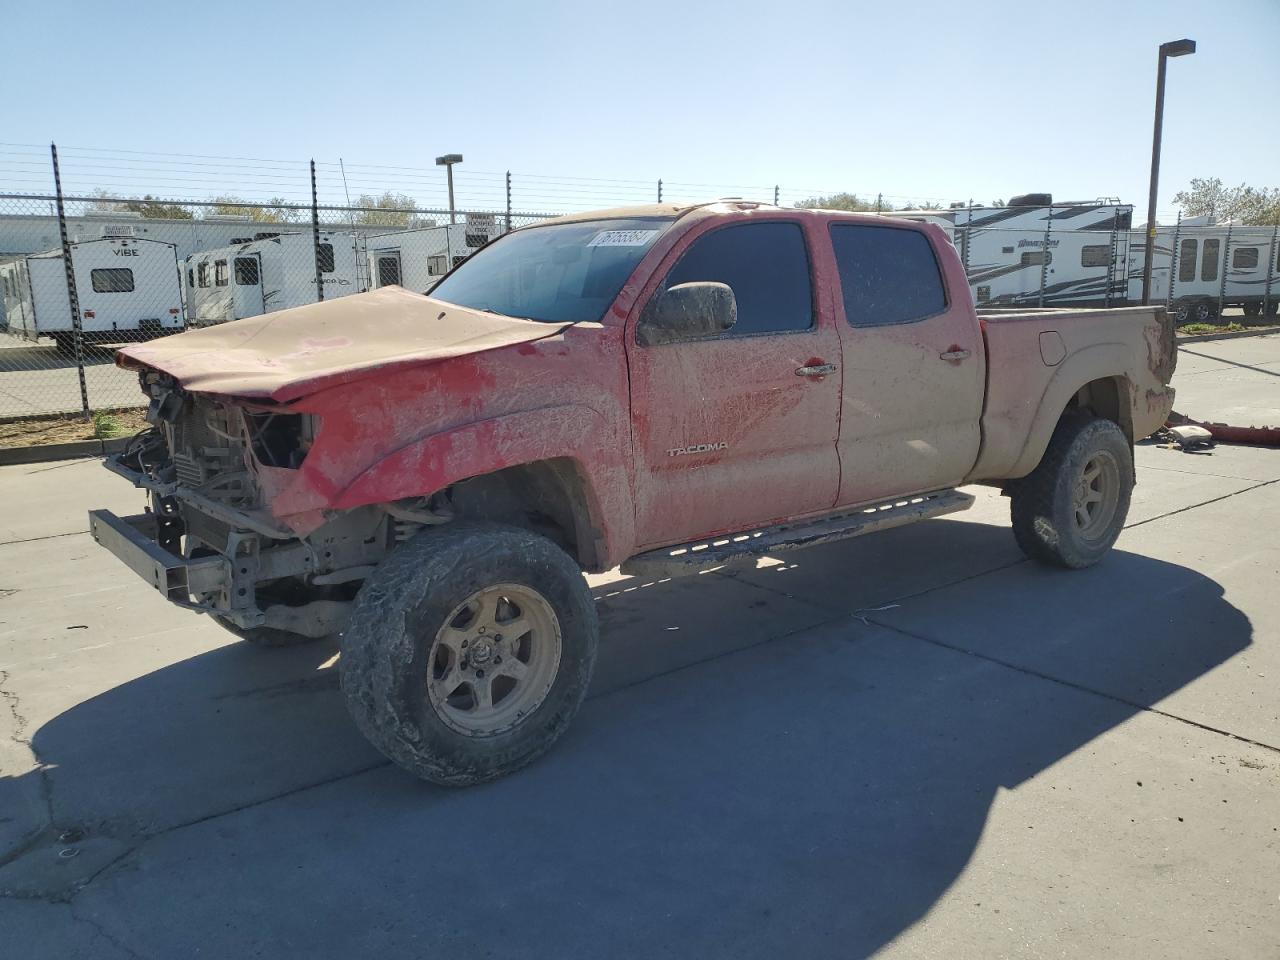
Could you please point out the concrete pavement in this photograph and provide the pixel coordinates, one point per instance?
(915, 744)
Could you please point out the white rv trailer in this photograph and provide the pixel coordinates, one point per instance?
(262, 276)
(1078, 251)
(416, 259)
(128, 289)
(1202, 267)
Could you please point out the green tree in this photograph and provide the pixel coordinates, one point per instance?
(844, 201)
(388, 210)
(1256, 206)
(275, 210)
(148, 206)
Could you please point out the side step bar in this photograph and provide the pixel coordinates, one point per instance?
(703, 555)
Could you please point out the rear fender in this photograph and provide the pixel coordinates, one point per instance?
(1097, 362)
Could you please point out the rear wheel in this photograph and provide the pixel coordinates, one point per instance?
(1251, 309)
(1069, 511)
(1205, 311)
(469, 651)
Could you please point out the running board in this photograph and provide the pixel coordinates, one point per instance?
(701, 555)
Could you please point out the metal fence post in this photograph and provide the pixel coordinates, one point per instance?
(659, 191)
(964, 247)
(1174, 253)
(1044, 256)
(775, 194)
(879, 198)
(1222, 286)
(508, 230)
(1272, 268)
(315, 234)
(73, 297)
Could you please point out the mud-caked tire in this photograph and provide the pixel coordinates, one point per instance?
(1069, 511)
(469, 651)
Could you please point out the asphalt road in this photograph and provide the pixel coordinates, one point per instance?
(916, 744)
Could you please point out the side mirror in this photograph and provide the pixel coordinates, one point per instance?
(687, 311)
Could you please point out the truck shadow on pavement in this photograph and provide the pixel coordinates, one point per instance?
(817, 793)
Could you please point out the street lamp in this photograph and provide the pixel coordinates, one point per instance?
(1174, 48)
(449, 159)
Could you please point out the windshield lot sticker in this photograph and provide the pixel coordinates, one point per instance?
(623, 238)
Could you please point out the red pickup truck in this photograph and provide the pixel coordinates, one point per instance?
(664, 387)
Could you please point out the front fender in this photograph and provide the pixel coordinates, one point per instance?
(576, 432)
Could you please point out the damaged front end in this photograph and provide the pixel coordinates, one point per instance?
(208, 540)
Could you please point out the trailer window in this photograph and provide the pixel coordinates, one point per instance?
(246, 271)
(1246, 258)
(202, 272)
(887, 275)
(111, 280)
(1187, 259)
(1209, 264)
(220, 275)
(324, 257)
(1036, 258)
(437, 265)
(191, 277)
(388, 271)
(1095, 255)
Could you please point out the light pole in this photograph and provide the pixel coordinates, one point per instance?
(449, 159)
(1174, 48)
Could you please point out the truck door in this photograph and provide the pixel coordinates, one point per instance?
(248, 283)
(913, 362)
(735, 430)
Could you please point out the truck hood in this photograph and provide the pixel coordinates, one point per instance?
(287, 354)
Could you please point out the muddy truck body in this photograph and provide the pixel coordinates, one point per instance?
(667, 389)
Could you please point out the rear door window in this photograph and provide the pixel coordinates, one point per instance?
(220, 275)
(888, 275)
(765, 264)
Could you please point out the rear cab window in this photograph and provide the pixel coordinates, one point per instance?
(888, 275)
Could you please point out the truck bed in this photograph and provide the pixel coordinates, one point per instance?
(1126, 354)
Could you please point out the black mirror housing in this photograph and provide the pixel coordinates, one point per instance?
(688, 311)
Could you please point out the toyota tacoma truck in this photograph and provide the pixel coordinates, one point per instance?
(662, 388)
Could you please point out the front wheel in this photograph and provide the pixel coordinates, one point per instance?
(469, 651)
(1069, 510)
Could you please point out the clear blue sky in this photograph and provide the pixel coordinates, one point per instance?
(915, 98)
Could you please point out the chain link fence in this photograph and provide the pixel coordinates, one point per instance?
(85, 269)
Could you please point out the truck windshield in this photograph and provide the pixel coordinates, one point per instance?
(562, 273)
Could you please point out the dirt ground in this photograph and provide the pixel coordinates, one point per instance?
(31, 431)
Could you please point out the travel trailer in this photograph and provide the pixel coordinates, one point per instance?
(1201, 267)
(128, 289)
(273, 273)
(416, 259)
(1034, 252)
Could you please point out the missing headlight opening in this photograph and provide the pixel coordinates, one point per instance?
(280, 439)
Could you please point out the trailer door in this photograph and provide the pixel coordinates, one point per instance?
(248, 284)
(386, 268)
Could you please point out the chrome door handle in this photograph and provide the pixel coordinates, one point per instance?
(817, 370)
(954, 354)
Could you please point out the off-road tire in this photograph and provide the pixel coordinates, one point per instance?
(396, 618)
(1042, 504)
(264, 636)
